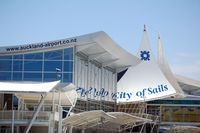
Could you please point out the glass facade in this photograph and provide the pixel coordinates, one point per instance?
(39, 66)
(175, 102)
(175, 110)
(180, 114)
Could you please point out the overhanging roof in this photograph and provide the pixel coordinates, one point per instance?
(125, 118)
(67, 93)
(96, 46)
(101, 48)
(87, 119)
(102, 119)
(187, 80)
(27, 87)
(188, 85)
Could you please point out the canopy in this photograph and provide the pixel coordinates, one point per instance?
(67, 95)
(125, 118)
(145, 81)
(102, 119)
(190, 86)
(187, 81)
(27, 87)
(87, 119)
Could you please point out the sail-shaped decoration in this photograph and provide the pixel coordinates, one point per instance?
(145, 81)
(164, 66)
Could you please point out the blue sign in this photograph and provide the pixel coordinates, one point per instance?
(142, 93)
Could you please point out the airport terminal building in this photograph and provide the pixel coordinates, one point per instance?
(93, 64)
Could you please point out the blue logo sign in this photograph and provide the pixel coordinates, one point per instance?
(145, 55)
(142, 93)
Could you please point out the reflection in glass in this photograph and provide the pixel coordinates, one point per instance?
(52, 76)
(5, 75)
(52, 65)
(33, 56)
(17, 76)
(67, 77)
(68, 54)
(53, 55)
(20, 56)
(5, 65)
(68, 66)
(17, 65)
(32, 65)
(32, 76)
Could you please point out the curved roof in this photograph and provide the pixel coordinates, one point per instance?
(190, 86)
(96, 46)
(102, 119)
(104, 50)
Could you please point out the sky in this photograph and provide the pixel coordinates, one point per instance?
(177, 21)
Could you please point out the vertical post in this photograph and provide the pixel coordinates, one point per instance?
(49, 126)
(13, 120)
(53, 101)
(60, 114)
(82, 131)
(52, 115)
(70, 129)
(60, 120)
(145, 104)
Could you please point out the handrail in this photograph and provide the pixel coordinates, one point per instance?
(24, 115)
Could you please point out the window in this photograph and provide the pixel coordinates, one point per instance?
(5, 75)
(32, 76)
(53, 55)
(20, 56)
(52, 76)
(68, 66)
(33, 56)
(17, 65)
(52, 65)
(17, 76)
(68, 54)
(38, 65)
(67, 77)
(5, 65)
(32, 65)
(5, 57)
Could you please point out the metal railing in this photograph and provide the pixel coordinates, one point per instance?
(23, 115)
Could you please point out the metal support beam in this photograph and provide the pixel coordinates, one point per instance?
(35, 113)
(154, 124)
(13, 120)
(53, 113)
(82, 131)
(70, 129)
(60, 114)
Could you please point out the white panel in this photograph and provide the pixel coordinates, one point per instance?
(145, 81)
(164, 66)
(27, 87)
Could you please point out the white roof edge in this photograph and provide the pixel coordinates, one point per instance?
(27, 87)
(187, 80)
(114, 49)
(100, 38)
